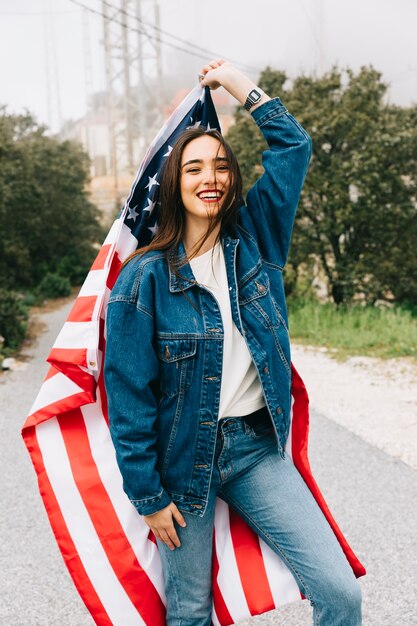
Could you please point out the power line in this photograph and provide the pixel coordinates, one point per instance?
(398, 77)
(157, 37)
(313, 30)
(184, 41)
(37, 13)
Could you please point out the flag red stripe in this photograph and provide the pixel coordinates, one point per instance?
(103, 396)
(102, 339)
(222, 611)
(52, 371)
(57, 408)
(100, 382)
(300, 425)
(100, 260)
(62, 535)
(83, 309)
(67, 361)
(251, 566)
(114, 271)
(122, 558)
(74, 356)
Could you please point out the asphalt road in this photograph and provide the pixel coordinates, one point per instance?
(372, 496)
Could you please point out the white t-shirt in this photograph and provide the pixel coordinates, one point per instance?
(241, 391)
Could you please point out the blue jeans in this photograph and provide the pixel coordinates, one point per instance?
(270, 495)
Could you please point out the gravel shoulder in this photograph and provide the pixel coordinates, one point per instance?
(373, 398)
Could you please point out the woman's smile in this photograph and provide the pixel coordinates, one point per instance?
(210, 195)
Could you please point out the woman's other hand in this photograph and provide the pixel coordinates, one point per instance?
(212, 73)
(161, 524)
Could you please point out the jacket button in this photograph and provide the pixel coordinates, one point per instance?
(278, 410)
(266, 370)
(261, 288)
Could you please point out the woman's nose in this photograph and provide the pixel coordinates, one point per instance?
(208, 174)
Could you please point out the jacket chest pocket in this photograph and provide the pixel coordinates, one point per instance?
(255, 298)
(176, 358)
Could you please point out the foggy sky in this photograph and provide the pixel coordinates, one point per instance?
(304, 36)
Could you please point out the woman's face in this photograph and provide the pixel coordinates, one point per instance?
(205, 176)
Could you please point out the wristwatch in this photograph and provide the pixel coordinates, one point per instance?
(253, 97)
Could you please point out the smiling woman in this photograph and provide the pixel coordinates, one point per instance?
(199, 387)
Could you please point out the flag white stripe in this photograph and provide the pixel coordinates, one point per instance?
(127, 243)
(77, 335)
(228, 577)
(117, 604)
(94, 283)
(112, 235)
(54, 389)
(214, 618)
(134, 527)
(282, 583)
(288, 449)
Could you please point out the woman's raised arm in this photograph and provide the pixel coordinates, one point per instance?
(272, 201)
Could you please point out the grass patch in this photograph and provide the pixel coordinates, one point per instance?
(354, 330)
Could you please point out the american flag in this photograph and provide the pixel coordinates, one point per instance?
(108, 549)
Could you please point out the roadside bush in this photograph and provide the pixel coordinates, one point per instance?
(44, 182)
(54, 285)
(357, 212)
(13, 319)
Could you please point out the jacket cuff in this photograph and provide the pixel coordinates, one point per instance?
(267, 110)
(147, 506)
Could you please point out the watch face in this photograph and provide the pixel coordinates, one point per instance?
(255, 95)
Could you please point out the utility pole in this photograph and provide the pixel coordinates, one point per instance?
(321, 37)
(133, 79)
(53, 92)
(150, 86)
(110, 103)
(88, 76)
(48, 79)
(129, 105)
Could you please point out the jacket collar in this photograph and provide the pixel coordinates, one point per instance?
(188, 278)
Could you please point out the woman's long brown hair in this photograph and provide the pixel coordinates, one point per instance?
(171, 220)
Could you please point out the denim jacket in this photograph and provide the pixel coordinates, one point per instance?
(163, 363)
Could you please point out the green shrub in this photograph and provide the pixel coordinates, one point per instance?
(54, 285)
(13, 318)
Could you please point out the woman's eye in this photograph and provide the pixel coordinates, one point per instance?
(223, 168)
(193, 170)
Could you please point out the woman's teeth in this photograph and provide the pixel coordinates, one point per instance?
(208, 197)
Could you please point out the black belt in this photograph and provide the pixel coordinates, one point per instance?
(261, 416)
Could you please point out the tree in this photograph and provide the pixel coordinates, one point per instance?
(357, 212)
(47, 223)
